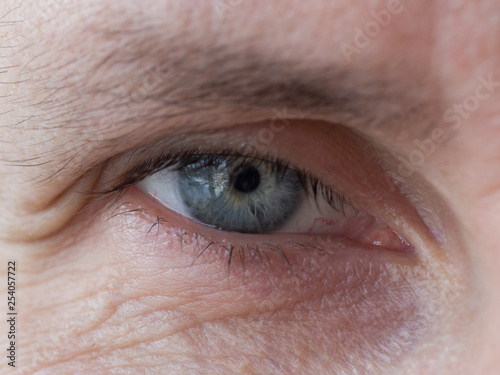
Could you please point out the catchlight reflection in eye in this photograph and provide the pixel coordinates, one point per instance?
(250, 195)
(240, 195)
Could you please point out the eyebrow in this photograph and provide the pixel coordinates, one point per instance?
(197, 77)
(159, 83)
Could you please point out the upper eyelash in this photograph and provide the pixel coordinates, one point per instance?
(313, 185)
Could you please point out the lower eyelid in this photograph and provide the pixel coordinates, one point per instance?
(376, 292)
(286, 245)
(236, 255)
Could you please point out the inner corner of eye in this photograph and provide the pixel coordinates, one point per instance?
(245, 195)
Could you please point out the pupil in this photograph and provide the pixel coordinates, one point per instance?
(246, 179)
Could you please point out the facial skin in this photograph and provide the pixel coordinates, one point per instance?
(401, 118)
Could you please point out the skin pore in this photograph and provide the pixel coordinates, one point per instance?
(400, 118)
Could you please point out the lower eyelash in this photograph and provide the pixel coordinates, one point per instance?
(242, 252)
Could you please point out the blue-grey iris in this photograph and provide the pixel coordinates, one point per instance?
(240, 194)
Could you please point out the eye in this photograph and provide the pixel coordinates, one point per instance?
(230, 193)
(244, 194)
(318, 184)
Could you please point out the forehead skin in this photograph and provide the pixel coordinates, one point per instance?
(53, 51)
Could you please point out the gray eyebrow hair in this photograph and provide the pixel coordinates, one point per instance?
(156, 83)
(199, 77)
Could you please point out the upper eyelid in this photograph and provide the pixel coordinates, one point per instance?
(315, 185)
